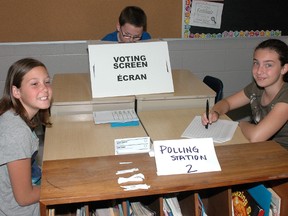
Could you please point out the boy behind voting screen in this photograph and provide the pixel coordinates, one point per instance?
(131, 26)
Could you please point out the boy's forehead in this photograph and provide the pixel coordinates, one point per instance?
(131, 29)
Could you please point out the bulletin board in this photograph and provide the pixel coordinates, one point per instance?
(241, 18)
(60, 20)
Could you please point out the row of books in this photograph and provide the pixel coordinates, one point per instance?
(256, 201)
(133, 209)
(111, 211)
(83, 211)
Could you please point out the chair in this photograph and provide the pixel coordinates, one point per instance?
(215, 84)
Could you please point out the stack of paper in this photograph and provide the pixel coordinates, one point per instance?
(126, 117)
(220, 131)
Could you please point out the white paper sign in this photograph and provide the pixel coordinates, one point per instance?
(206, 14)
(185, 156)
(121, 69)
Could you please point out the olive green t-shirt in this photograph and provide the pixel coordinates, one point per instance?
(254, 93)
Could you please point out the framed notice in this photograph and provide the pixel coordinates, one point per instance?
(121, 69)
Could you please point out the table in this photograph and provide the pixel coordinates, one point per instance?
(77, 136)
(170, 124)
(74, 134)
(189, 92)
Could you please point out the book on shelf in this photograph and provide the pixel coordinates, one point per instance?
(83, 211)
(51, 212)
(78, 212)
(120, 209)
(166, 209)
(244, 204)
(275, 204)
(200, 207)
(172, 205)
(110, 211)
(138, 209)
(262, 196)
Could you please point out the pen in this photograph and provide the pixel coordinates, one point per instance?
(207, 112)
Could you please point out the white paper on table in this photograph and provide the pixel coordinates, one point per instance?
(220, 131)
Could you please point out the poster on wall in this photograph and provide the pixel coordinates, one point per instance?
(206, 14)
(205, 19)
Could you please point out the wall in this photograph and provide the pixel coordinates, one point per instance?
(54, 20)
(228, 59)
(59, 57)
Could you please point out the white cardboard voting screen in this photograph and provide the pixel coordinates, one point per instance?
(121, 69)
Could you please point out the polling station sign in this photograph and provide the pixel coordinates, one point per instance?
(185, 156)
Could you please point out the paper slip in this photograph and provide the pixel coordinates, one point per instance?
(135, 187)
(185, 156)
(132, 145)
(114, 116)
(220, 131)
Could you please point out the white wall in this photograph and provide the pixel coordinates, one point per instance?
(59, 57)
(228, 59)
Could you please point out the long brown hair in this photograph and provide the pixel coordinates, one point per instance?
(14, 77)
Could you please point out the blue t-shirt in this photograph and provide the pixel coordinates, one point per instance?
(114, 36)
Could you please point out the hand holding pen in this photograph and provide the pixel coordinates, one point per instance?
(209, 116)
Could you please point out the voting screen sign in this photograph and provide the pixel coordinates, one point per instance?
(121, 69)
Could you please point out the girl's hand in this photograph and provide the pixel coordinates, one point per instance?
(213, 117)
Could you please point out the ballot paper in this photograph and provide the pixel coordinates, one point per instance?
(220, 131)
(132, 145)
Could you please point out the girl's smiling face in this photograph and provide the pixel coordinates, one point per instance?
(35, 92)
(267, 69)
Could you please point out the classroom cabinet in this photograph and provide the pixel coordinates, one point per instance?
(92, 182)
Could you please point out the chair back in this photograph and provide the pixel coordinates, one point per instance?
(215, 84)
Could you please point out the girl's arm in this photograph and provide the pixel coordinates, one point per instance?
(232, 102)
(268, 126)
(20, 176)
